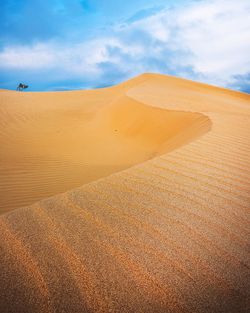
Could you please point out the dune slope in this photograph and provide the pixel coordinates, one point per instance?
(170, 234)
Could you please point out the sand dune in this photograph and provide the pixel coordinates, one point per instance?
(168, 231)
(53, 142)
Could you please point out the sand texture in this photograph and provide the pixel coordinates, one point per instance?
(133, 198)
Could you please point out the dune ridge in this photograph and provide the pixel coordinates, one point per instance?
(167, 235)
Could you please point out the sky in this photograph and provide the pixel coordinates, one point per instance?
(83, 44)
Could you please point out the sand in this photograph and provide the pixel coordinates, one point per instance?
(149, 207)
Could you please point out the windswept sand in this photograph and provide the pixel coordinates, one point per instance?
(168, 231)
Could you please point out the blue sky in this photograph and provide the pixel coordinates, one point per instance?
(78, 44)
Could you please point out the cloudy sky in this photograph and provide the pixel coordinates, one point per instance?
(74, 44)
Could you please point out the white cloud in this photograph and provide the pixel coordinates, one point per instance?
(207, 40)
(74, 60)
(213, 37)
(218, 35)
(22, 57)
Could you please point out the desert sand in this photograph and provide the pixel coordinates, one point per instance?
(133, 198)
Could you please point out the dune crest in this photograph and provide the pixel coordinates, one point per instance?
(168, 234)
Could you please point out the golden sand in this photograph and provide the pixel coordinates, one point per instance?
(168, 231)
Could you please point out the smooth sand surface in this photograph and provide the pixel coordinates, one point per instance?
(168, 231)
